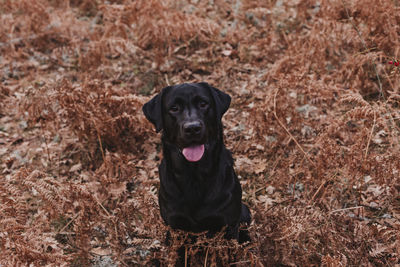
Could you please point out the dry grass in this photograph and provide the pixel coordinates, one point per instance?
(314, 128)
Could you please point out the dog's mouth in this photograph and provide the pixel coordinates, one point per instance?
(193, 153)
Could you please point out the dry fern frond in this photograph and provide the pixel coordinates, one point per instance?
(329, 261)
(354, 98)
(394, 98)
(155, 24)
(361, 112)
(105, 112)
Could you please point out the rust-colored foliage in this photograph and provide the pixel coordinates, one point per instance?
(313, 126)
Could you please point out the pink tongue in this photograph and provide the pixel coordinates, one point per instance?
(193, 153)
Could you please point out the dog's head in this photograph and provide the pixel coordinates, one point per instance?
(189, 115)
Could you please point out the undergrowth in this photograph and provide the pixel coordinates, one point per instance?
(314, 128)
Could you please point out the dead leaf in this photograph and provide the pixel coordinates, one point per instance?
(101, 251)
(76, 167)
(227, 53)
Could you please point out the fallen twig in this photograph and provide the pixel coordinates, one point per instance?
(288, 132)
(351, 208)
(370, 136)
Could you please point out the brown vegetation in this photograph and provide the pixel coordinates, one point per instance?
(314, 127)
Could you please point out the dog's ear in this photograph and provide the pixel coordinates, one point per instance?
(221, 99)
(153, 110)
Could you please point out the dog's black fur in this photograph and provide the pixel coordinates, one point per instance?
(204, 195)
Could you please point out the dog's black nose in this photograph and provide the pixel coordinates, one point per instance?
(192, 128)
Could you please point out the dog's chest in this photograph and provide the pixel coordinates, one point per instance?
(193, 188)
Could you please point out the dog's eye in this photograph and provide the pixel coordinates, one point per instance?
(174, 109)
(203, 104)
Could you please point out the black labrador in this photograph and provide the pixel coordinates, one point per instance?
(199, 190)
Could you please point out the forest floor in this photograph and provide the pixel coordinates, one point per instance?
(314, 127)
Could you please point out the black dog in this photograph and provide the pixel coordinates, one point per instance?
(199, 190)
